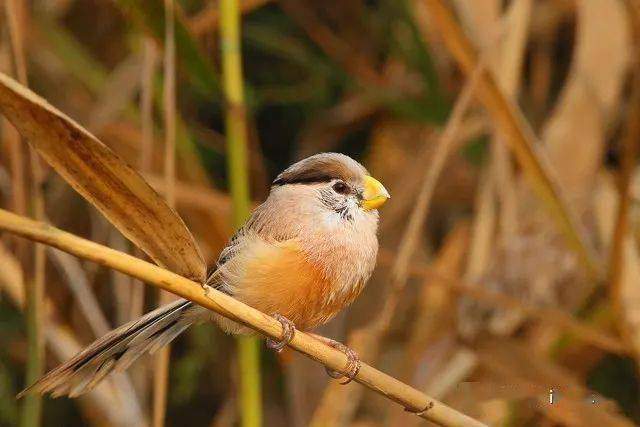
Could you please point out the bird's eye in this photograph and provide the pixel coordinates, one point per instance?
(341, 188)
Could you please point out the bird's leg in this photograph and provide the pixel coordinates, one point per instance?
(353, 360)
(288, 330)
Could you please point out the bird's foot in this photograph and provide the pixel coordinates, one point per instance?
(353, 360)
(288, 330)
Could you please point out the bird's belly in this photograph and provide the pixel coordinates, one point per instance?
(280, 279)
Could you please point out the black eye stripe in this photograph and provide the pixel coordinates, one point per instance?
(311, 179)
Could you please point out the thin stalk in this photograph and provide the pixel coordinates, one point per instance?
(146, 144)
(32, 407)
(236, 128)
(140, 378)
(161, 377)
(15, 148)
(384, 385)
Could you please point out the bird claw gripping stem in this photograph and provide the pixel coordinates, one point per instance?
(288, 330)
(353, 362)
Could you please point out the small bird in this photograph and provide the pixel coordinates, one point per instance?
(303, 255)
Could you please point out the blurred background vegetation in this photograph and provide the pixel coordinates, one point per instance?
(488, 306)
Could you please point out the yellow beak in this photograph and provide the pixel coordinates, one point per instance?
(374, 195)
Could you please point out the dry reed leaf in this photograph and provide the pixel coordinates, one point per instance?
(517, 132)
(575, 134)
(100, 176)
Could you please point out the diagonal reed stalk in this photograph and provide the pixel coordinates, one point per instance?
(517, 133)
(383, 384)
(32, 407)
(237, 155)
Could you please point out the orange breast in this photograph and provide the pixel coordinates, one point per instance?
(279, 279)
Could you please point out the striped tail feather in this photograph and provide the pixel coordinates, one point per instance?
(117, 350)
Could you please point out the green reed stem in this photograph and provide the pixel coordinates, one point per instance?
(235, 122)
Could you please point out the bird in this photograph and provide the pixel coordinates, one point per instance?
(303, 255)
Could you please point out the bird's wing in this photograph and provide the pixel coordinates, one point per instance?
(265, 222)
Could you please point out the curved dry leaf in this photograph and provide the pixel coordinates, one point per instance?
(104, 179)
(575, 134)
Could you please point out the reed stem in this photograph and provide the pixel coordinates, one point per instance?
(161, 377)
(34, 289)
(236, 129)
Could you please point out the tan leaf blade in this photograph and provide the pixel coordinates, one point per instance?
(104, 179)
(575, 136)
(510, 120)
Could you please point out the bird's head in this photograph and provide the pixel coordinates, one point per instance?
(341, 183)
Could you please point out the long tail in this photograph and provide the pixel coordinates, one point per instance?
(117, 350)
